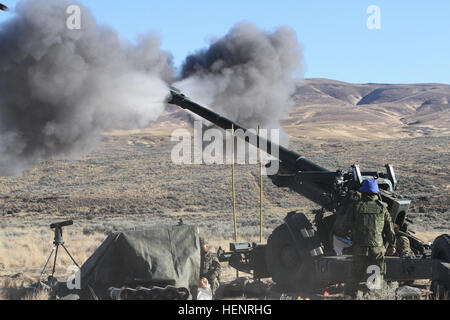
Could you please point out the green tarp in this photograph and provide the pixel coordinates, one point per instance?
(143, 257)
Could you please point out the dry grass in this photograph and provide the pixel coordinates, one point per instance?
(23, 253)
(40, 295)
(428, 236)
(13, 287)
(22, 249)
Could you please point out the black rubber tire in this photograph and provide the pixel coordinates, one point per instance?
(440, 251)
(439, 290)
(441, 248)
(283, 261)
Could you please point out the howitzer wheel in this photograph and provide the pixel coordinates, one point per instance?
(283, 261)
(441, 251)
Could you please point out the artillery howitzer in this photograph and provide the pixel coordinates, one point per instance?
(297, 255)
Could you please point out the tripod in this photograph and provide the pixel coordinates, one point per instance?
(57, 241)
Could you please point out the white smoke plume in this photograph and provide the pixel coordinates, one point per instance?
(60, 88)
(247, 76)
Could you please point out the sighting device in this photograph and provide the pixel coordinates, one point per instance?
(57, 241)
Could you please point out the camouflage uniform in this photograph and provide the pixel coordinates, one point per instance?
(342, 217)
(210, 268)
(367, 220)
(403, 246)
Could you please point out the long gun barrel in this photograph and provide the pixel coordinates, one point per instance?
(326, 188)
(315, 182)
(287, 156)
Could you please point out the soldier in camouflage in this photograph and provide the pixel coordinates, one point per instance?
(210, 268)
(367, 220)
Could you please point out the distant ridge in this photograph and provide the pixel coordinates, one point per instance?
(327, 109)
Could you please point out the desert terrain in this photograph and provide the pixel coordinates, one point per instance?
(129, 179)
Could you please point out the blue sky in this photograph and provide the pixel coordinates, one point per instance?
(412, 45)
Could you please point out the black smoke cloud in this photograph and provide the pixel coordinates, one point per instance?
(247, 76)
(60, 88)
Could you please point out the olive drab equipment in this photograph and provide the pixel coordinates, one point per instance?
(300, 254)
